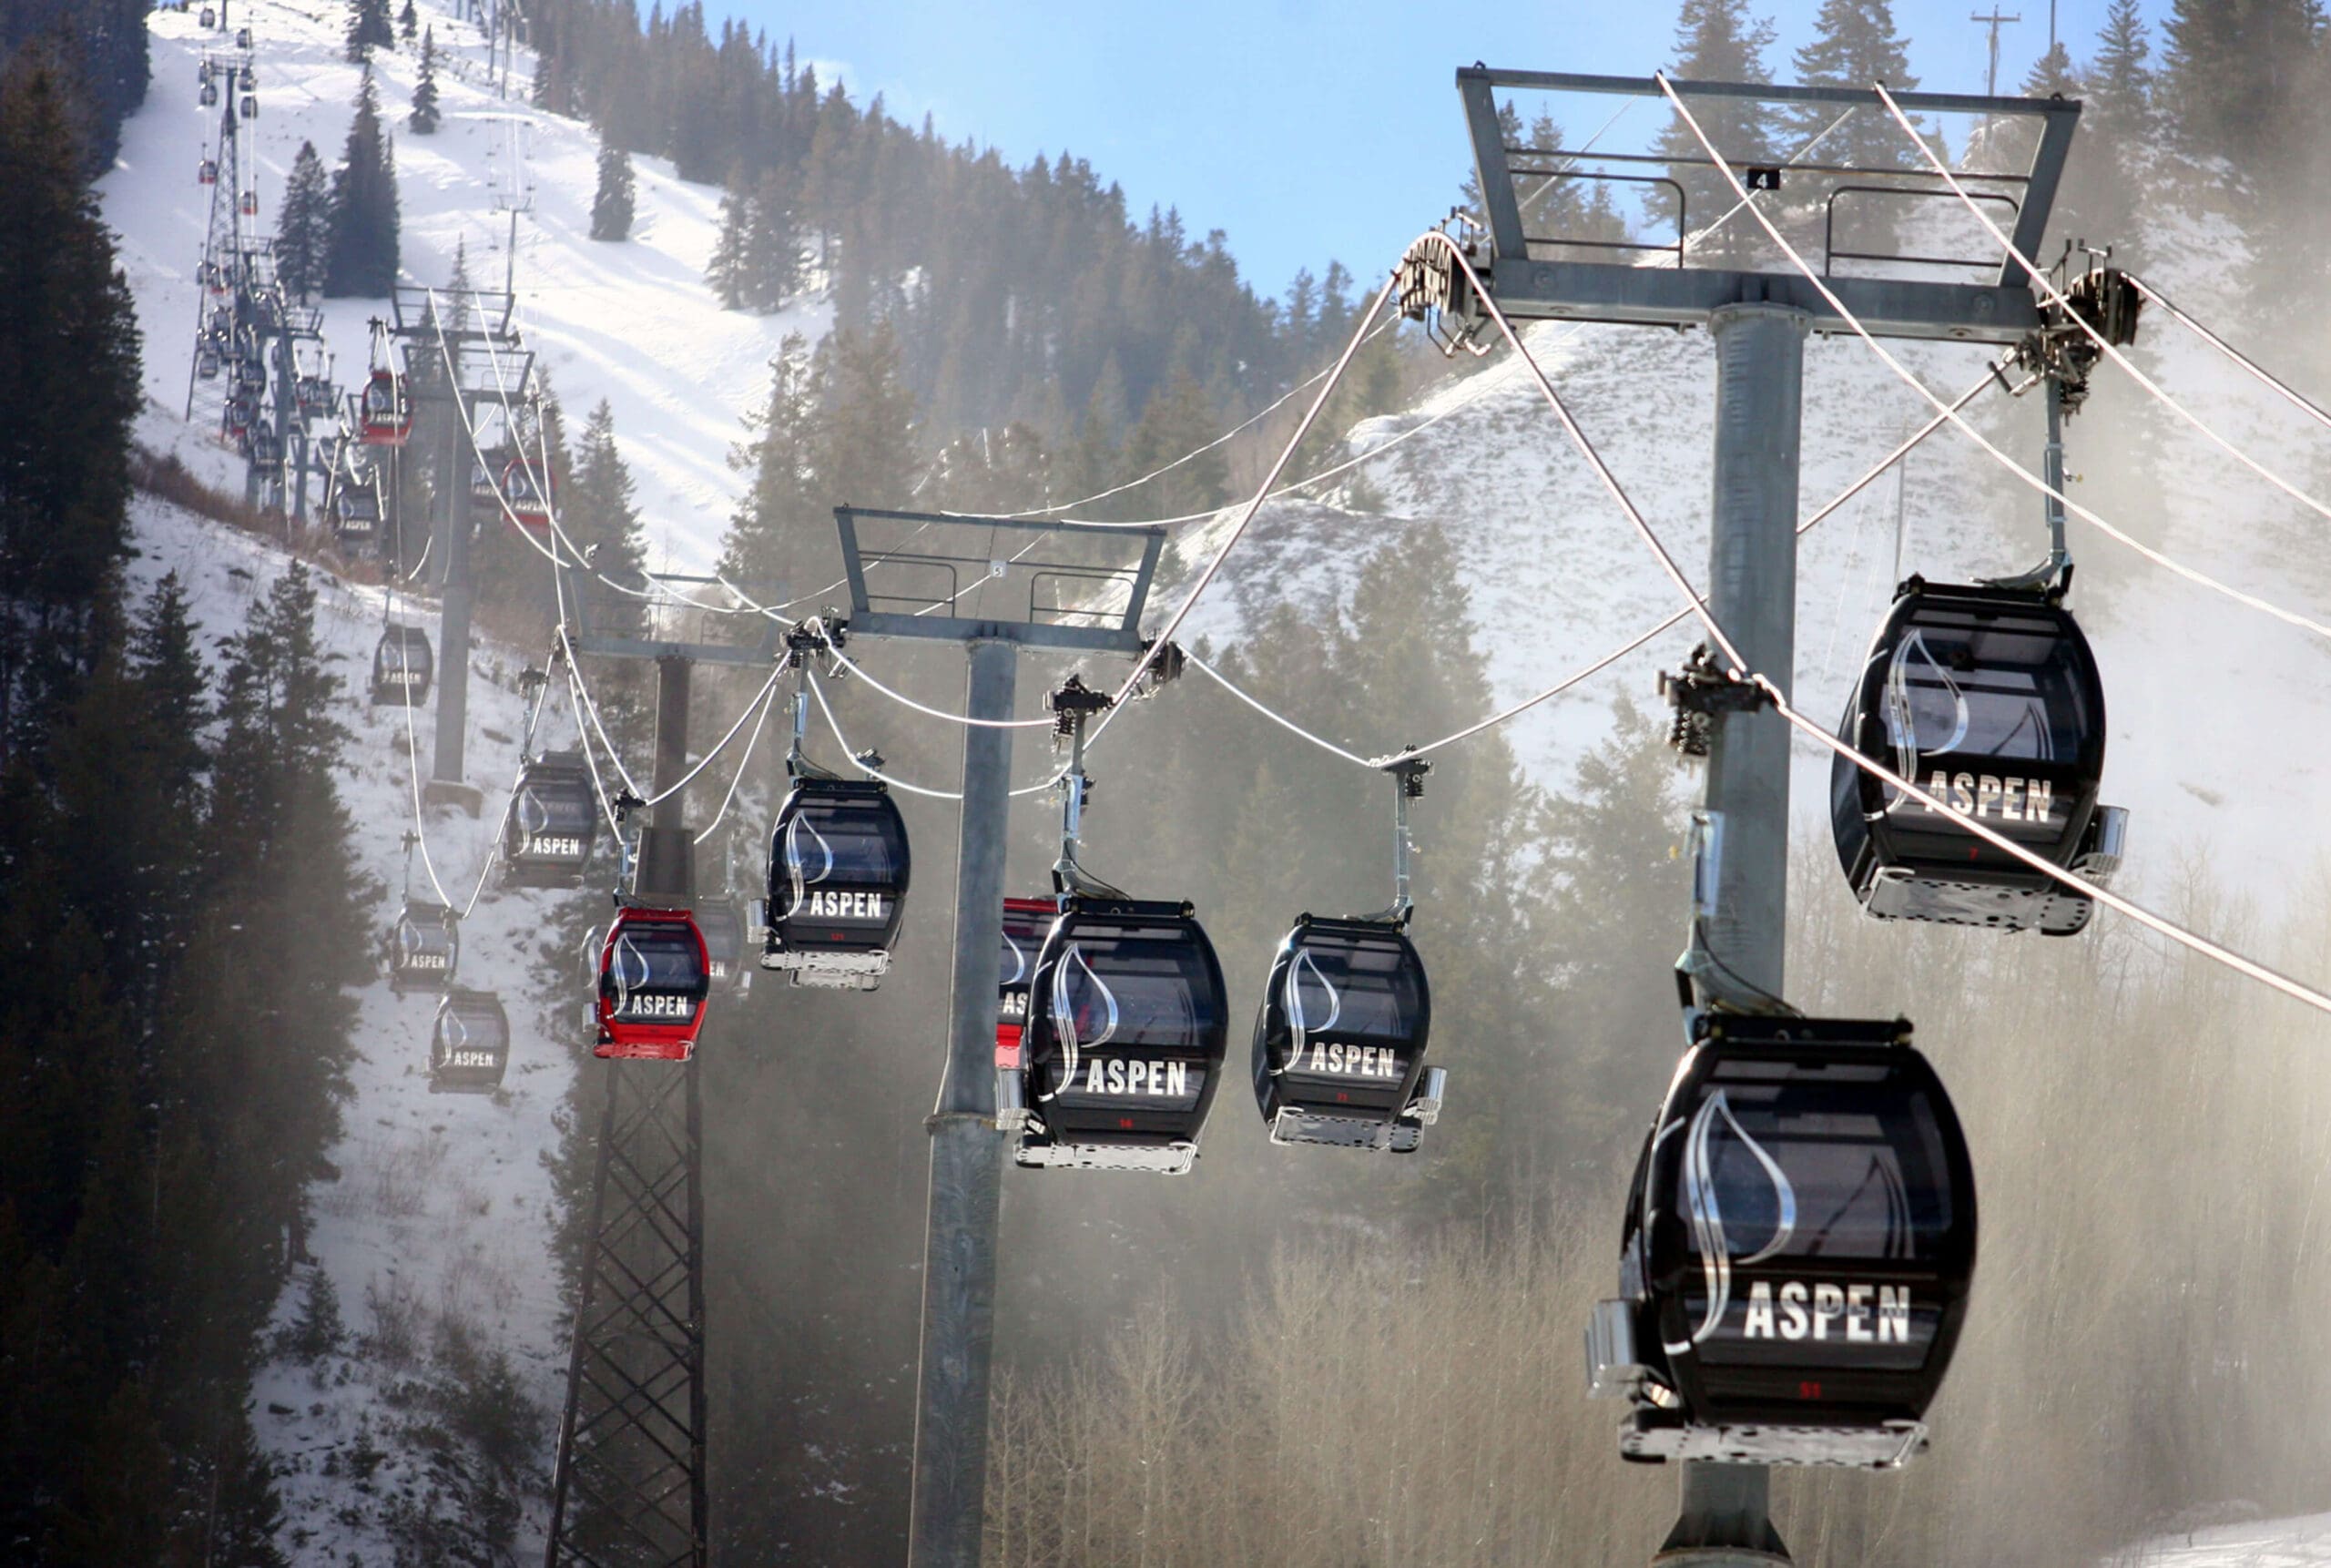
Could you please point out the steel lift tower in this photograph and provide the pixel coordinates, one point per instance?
(1759, 322)
(629, 1486)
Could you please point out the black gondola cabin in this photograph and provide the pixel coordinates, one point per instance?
(1990, 700)
(1339, 1041)
(469, 1047)
(838, 872)
(425, 948)
(1127, 1028)
(403, 667)
(552, 823)
(653, 979)
(1799, 1251)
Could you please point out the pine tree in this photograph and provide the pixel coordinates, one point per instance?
(612, 205)
(2119, 82)
(303, 228)
(361, 252)
(1716, 41)
(865, 419)
(369, 28)
(69, 378)
(1855, 45)
(601, 517)
(727, 271)
(407, 20)
(2236, 75)
(1179, 420)
(774, 528)
(772, 256)
(425, 116)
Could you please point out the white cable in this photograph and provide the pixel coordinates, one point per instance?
(1284, 723)
(583, 738)
(2257, 371)
(2201, 579)
(420, 828)
(684, 780)
(834, 724)
(1741, 670)
(743, 761)
(2058, 298)
(904, 700)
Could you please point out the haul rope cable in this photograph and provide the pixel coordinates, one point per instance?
(2256, 370)
(2031, 480)
(1740, 670)
(557, 583)
(743, 761)
(1600, 665)
(2058, 298)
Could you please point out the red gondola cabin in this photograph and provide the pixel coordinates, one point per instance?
(385, 408)
(654, 975)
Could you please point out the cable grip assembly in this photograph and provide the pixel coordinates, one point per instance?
(1698, 694)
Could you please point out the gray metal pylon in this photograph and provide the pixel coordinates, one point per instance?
(629, 1487)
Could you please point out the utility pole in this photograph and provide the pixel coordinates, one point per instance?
(1995, 22)
(1759, 322)
(967, 1150)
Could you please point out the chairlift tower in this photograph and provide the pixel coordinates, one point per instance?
(220, 278)
(628, 1488)
(901, 588)
(1759, 322)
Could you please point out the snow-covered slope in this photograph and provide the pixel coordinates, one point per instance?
(631, 322)
(441, 1217)
(2274, 1543)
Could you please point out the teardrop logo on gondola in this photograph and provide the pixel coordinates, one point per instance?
(796, 863)
(533, 815)
(1018, 961)
(1902, 719)
(1298, 1020)
(627, 970)
(453, 1035)
(1703, 1210)
(1064, 1007)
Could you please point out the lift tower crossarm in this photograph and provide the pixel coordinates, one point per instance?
(2003, 311)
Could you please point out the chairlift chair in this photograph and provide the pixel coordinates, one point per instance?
(469, 1046)
(206, 363)
(1127, 1028)
(403, 667)
(655, 976)
(1340, 1037)
(552, 823)
(385, 411)
(1990, 698)
(1026, 923)
(425, 947)
(838, 872)
(1799, 1251)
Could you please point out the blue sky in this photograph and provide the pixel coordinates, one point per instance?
(1304, 128)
